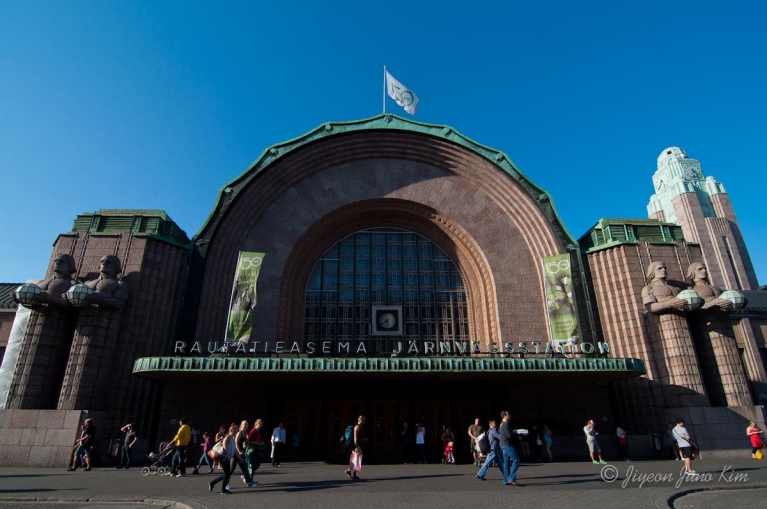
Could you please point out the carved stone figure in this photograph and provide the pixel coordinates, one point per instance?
(670, 340)
(698, 274)
(43, 353)
(109, 292)
(55, 287)
(721, 367)
(660, 296)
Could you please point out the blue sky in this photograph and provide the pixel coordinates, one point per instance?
(157, 105)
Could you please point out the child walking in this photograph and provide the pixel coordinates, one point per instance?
(207, 443)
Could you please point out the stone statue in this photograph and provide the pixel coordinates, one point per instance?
(108, 291)
(55, 287)
(660, 296)
(698, 274)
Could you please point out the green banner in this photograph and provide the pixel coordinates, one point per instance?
(560, 301)
(239, 325)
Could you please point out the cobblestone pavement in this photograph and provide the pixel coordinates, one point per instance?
(321, 485)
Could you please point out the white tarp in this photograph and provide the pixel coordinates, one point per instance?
(12, 352)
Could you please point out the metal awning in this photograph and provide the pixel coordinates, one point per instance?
(177, 369)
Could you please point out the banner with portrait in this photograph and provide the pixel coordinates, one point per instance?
(239, 325)
(560, 300)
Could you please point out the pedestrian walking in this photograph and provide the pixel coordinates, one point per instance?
(684, 441)
(495, 454)
(207, 443)
(355, 460)
(509, 448)
(84, 445)
(753, 433)
(228, 452)
(181, 441)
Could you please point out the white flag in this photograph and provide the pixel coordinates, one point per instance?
(401, 94)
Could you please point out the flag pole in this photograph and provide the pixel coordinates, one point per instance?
(384, 90)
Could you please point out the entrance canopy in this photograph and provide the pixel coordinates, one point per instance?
(231, 369)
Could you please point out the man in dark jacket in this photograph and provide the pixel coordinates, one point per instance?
(510, 454)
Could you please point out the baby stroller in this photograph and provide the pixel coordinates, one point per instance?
(160, 460)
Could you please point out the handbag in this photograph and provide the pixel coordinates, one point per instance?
(538, 441)
(355, 462)
(758, 454)
(217, 453)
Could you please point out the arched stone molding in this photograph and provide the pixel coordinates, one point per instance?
(391, 213)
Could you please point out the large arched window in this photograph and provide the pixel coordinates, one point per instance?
(388, 289)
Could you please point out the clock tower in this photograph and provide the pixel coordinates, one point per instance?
(701, 206)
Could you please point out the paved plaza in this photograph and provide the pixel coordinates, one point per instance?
(320, 485)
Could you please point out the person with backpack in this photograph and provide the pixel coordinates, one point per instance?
(355, 460)
(494, 450)
(483, 446)
(347, 439)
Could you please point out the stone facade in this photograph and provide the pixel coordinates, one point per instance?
(86, 362)
(303, 197)
(692, 358)
(40, 438)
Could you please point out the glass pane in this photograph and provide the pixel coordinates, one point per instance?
(385, 266)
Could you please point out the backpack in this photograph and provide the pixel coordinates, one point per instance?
(483, 443)
(348, 438)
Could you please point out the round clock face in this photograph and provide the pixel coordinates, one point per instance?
(690, 172)
(387, 320)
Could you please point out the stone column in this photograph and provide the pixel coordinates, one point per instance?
(42, 359)
(676, 359)
(89, 373)
(721, 367)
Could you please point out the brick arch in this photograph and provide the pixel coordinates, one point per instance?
(391, 213)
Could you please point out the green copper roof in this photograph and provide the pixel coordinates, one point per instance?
(611, 232)
(386, 121)
(152, 223)
(156, 367)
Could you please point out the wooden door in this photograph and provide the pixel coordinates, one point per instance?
(341, 413)
(303, 415)
(433, 414)
(384, 429)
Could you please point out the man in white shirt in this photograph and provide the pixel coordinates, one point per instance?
(279, 439)
(591, 440)
(684, 442)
